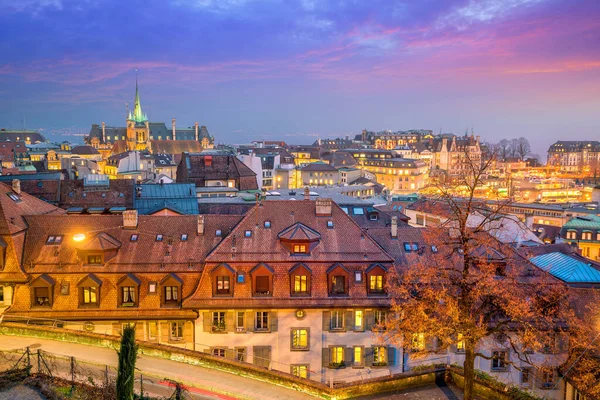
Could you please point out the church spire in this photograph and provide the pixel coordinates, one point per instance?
(138, 115)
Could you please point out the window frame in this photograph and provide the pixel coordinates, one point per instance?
(298, 375)
(218, 324)
(340, 316)
(129, 289)
(264, 320)
(299, 347)
(499, 364)
(382, 356)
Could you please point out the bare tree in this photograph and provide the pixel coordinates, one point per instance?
(503, 149)
(467, 288)
(523, 148)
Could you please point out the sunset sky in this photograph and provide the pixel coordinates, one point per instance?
(250, 69)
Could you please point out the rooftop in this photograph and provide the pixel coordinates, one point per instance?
(569, 268)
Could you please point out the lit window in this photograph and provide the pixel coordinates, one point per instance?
(152, 287)
(300, 371)
(337, 356)
(300, 248)
(223, 285)
(171, 294)
(134, 237)
(300, 339)
(418, 342)
(176, 333)
(460, 344)
(90, 295)
(184, 237)
(376, 283)
(358, 356)
(379, 356)
(300, 284)
(128, 295)
(159, 238)
(94, 259)
(359, 320)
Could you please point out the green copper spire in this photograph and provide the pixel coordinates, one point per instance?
(138, 115)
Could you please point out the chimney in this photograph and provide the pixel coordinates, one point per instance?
(477, 138)
(16, 186)
(394, 227)
(196, 130)
(323, 207)
(103, 132)
(130, 219)
(306, 193)
(200, 224)
(173, 127)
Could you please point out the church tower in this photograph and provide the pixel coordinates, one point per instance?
(138, 128)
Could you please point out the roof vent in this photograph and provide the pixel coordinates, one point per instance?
(200, 224)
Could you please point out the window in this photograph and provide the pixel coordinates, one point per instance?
(262, 321)
(171, 294)
(358, 211)
(300, 284)
(337, 320)
(152, 330)
(134, 238)
(240, 325)
(152, 287)
(223, 285)
(358, 360)
(373, 216)
(337, 356)
(90, 295)
(218, 232)
(330, 224)
(300, 249)
(301, 371)
(218, 321)
(499, 362)
(300, 339)
(248, 233)
(586, 236)
(407, 247)
(376, 284)
(338, 284)
(379, 356)
(267, 224)
(262, 285)
(1, 294)
(571, 235)
(460, 344)
(184, 237)
(42, 296)
(547, 380)
(345, 209)
(219, 351)
(418, 342)
(159, 238)
(379, 319)
(358, 276)
(94, 259)
(434, 249)
(526, 376)
(240, 354)
(64, 289)
(359, 320)
(128, 295)
(56, 239)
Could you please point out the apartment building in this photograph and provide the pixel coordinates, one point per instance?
(575, 156)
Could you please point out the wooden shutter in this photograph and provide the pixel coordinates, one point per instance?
(116, 329)
(249, 321)
(562, 342)
(188, 333)
(164, 332)
(207, 321)
(368, 356)
(325, 357)
(273, 321)
(369, 320)
(349, 320)
(326, 321)
(348, 356)
(229, 322)
(391, 356)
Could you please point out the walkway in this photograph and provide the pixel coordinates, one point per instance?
(204, 383)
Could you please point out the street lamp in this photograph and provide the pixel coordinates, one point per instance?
(78, 237)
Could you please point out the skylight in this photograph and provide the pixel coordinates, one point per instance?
(248, 233)
(184, 237)
(54, 239)
(330, 224)
(218, 232)
(159, 238)
(134, 237)
(267, 224)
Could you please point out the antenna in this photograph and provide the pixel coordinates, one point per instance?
(126, 110)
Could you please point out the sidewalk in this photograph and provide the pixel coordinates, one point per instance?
(190, 375)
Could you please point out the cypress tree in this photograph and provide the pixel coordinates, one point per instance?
(127, 358)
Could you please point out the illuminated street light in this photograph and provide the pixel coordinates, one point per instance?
(78, 237)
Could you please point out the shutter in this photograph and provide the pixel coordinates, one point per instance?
(562, 342)
(348, 356)
(206, 323)
(188, 333)
(326, 321)
(249, 321)
(391, 356)
(116, 329)
(349, 320)
(369, 320)
(229, 325)
(164, 332)
(273, 317)
(325, 357)
(368, 356)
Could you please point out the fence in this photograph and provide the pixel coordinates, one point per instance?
(67, 374)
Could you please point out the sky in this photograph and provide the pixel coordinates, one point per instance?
(298, 70)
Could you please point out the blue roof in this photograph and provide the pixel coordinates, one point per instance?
(42, 176)
(567, 268)
(149, 198)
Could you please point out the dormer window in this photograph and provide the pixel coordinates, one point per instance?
(94, 259)
(262, 280)
(223, 278)
(128, 288)
(376, 279)
(299, 239)
(300, 249)
(338, 278)
(42, 290)
(171, 290)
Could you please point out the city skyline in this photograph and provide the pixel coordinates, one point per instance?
(268, 69)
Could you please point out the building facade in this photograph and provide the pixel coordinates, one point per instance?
(575, 156)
